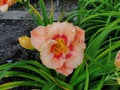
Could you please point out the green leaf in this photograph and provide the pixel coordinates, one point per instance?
(79, 70)
(97, 42)
(5, 68)
(108, 50)
(62, 84)
(25, 65)
(51, 20)
(87, 78)
(49, 86)
(34, 69)
(42, 72)
(100, 84)
(25, 75)
(37, 64)
(44, 12)
(11, 85)
(35, 15)
(110, 13)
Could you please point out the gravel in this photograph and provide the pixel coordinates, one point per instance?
(10, 31)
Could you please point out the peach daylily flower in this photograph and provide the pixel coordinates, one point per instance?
(5, 4)
(117, 60)
(61, 46)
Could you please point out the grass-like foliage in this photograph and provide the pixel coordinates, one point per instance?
(101, 21)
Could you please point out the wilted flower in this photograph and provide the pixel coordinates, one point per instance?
(25, 42)
(61, 46)
(117, 60)
(5, 4)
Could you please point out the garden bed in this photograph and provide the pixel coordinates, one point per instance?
(10, 31)
(85, 55)
(17, 22)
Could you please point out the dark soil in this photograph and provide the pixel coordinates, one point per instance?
(10, 31)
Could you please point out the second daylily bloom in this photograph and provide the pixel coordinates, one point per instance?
(5, 4)
(61, 46)
(117, 60)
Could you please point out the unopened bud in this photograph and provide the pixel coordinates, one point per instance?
(118, 81)
(117, 60)
(25, 42)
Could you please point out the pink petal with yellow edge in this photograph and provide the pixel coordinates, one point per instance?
(118, 56)
(80, 35)
(117, 63)
(38, 37)
(62, 29)
(4, 8)
(47, 57)
(77, 55)
(5, 4)
(65, 70)
(117, 60)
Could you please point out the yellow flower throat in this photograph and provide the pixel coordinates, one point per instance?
(59, 47)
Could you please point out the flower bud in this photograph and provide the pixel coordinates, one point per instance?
(117, 60)
(25, 42)
(118, 81)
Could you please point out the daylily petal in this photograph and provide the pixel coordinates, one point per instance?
(48, 58)
(62, 29)
(77, 52)
(5, 4)
(4, 8)
(38, 37)
(80, 35)
(117, 60)
(65, 70)
(77, 55)
(118, 56)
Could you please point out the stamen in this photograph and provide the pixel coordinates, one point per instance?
(60, 47)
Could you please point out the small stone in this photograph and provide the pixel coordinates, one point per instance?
(9, 60)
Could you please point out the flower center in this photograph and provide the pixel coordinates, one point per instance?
(59, 47)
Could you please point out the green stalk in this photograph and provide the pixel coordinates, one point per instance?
(35, 15)
(87, 78)
(100, 84)
(44, 12)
